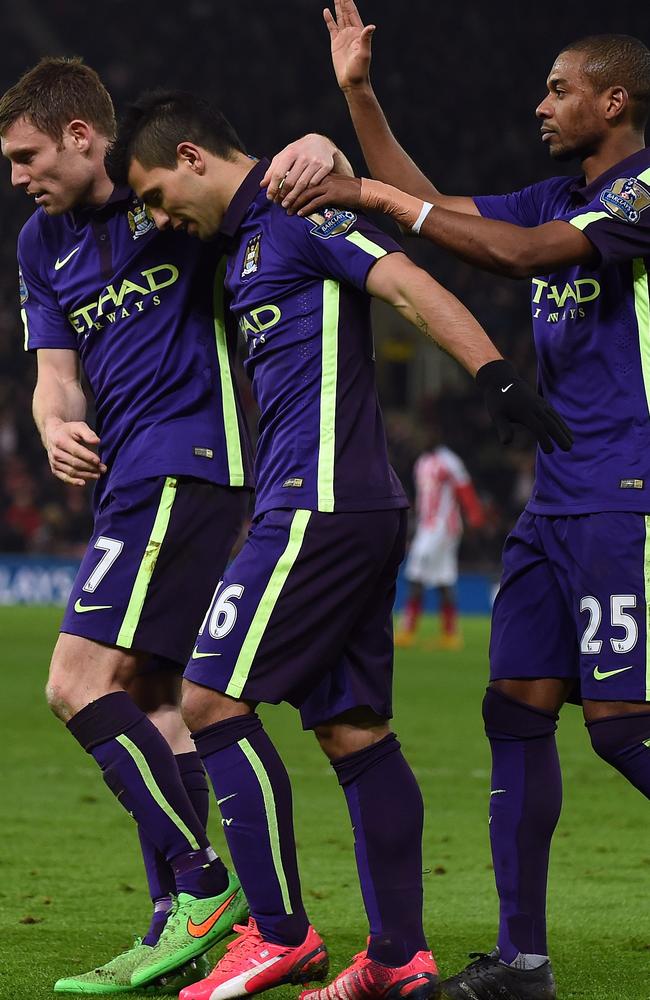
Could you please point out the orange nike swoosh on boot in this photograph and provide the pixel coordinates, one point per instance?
(200, 930)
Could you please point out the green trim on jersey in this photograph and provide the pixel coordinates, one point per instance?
(271, 819)
(23, 316)
(329, 375)
(644, 175)
(230, 420)
(364, 243)
(642, 310)
(269, 599)
(582, 221)
(148, 564)
(646, 575)
(140, 762)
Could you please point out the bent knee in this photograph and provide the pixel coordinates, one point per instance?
(57, 700)
(201, 706)
(350, 732)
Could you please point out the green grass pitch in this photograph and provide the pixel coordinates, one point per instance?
(72, 890)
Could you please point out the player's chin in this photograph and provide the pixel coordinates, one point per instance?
(561, 152)
(55, 208)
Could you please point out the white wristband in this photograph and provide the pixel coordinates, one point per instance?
(417, 225)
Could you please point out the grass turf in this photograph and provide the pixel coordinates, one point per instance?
(72, 889)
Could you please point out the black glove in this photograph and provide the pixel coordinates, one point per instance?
(511, 401)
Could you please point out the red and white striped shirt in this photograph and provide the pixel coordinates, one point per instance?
(442, 489)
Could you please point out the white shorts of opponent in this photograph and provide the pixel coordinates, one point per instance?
(433, 558)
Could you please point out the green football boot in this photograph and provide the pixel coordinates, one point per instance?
(193, 926)
(115, 976)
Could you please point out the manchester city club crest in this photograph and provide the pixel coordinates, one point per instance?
(626, 198)
(252, 257)
(140, 222)
(331, 222)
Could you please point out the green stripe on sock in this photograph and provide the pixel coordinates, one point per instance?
(230, 418)
(140, 762)
(269, 599)
(148, 564)
(329, 372)
(271, 819)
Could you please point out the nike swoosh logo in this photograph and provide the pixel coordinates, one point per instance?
(508, 387)
(200, 930)
(80, 608)
(61, 263)
(602, 675)
(234, 794)
(498, 791)
(199, 656)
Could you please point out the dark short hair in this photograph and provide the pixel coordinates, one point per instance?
(618, 60)
(153, 126)
(55, 92)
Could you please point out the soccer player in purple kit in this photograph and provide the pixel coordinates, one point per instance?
(577, 565)
(303, 614)
(101, 287)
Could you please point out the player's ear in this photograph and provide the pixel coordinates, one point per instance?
(191, 155)
(616, 101)
(80, 132)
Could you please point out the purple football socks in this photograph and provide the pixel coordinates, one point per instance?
(253, 792)
(525, 803)
(624, 742)
(160, 877)
(386, 809)
(139, 768)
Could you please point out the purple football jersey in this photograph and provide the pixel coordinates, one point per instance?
(297, 289)
(144, 311)
(592, 335)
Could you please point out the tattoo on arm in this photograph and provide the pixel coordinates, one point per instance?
(423, 326)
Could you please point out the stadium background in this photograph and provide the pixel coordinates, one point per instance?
(459, 83)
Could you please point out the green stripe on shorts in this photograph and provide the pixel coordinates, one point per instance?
(148, 564)
(140, 762)
(269, 599)
(271, 819)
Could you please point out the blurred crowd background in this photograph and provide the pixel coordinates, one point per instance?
(459, 83)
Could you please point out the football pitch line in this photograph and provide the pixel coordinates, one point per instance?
(72, 892)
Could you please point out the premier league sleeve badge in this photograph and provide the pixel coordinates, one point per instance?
(626, 198)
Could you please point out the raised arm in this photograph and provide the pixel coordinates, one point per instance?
(439, 315)
(500, 247)
(387, 160)
(59, 409)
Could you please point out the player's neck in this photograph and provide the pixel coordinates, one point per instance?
(100, 189)
(231, 177)
(616, 149)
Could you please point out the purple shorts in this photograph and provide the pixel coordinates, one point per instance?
(573, 604)
(158, 548)
(304, 614)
